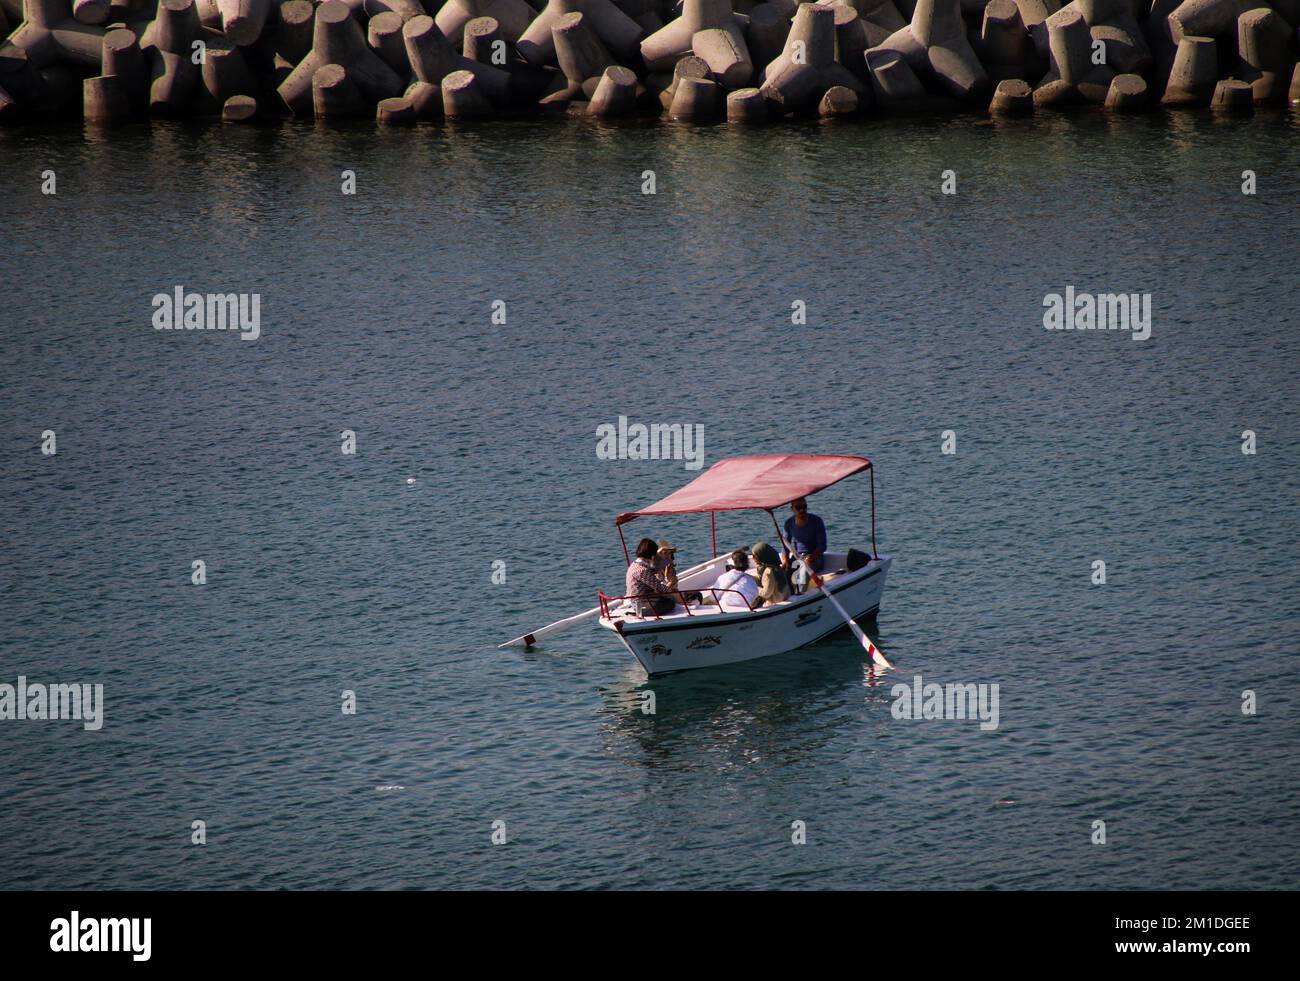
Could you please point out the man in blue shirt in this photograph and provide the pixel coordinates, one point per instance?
(807, 533)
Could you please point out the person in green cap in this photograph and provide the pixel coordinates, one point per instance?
(773, 584)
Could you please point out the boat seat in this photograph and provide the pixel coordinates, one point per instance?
(826, 577)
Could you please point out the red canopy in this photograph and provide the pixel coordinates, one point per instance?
(763, 482)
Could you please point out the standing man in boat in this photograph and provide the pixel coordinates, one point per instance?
(644, 583)
(807, 533)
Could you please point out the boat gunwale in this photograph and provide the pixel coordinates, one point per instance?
(694, 621)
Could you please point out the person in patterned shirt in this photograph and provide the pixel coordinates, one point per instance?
(643, 581)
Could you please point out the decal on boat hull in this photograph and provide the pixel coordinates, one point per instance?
(810, 616)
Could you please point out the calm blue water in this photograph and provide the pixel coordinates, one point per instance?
(328, 572)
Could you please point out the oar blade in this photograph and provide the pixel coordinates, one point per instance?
(527, 640)
(877, 656)
(531, 639)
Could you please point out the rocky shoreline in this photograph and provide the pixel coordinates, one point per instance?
(406, 61)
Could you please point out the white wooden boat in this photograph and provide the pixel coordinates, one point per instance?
(692, 636)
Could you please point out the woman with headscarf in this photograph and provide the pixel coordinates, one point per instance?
(773, 584)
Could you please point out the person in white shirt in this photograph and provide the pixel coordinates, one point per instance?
(743, 585)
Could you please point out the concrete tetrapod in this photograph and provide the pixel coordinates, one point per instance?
(433, 58)
(616, 93)
(92, 12)
(294, 31)
(666, 46)
(513, 16)
(1004, 45)
(617, 31)
(696, 99)
(1112, 23)
(395, 112)
(104, 101)
(1034, 14)
(483, 42)
(581, 57)
(463, 96)
(406, 9)
(22, 91)
(1159, 35)
(1233, 96)
(880, 19)
(1127, 93)
(838, 101)
(384, 35)
(1206, 18)
(224, 73)
(123, 58)
(334, 94)
(1194, 74)
(170, 43)
(851, 41)
(1012, 97)
(688, 67)
(765, 33)
(806, 67)
(747, 106)
(239, 109)
(1071, 76)
(894, 85)
(725, 52)
(1264, 44)
(243, 21)
(936, 48)
(48, 34)
(337, 40)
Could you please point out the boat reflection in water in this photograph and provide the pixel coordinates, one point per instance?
(769, 714)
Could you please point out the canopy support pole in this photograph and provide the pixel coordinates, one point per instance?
(623, 541)
(871, 471)
(779, 537)
(713, 527)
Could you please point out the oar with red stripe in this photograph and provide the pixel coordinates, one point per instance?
(817, 581)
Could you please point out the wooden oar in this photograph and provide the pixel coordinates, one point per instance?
(863, 639)
(528, 640)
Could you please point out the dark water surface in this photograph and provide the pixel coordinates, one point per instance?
(326, 572)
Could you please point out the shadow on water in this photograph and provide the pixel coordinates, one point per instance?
(774, 711)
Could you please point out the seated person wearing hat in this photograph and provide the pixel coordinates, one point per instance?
(645, 587)
(666, 566)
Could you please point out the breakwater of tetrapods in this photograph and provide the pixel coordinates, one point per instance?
(406, 61)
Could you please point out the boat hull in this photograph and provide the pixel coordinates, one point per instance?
(683, 643)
